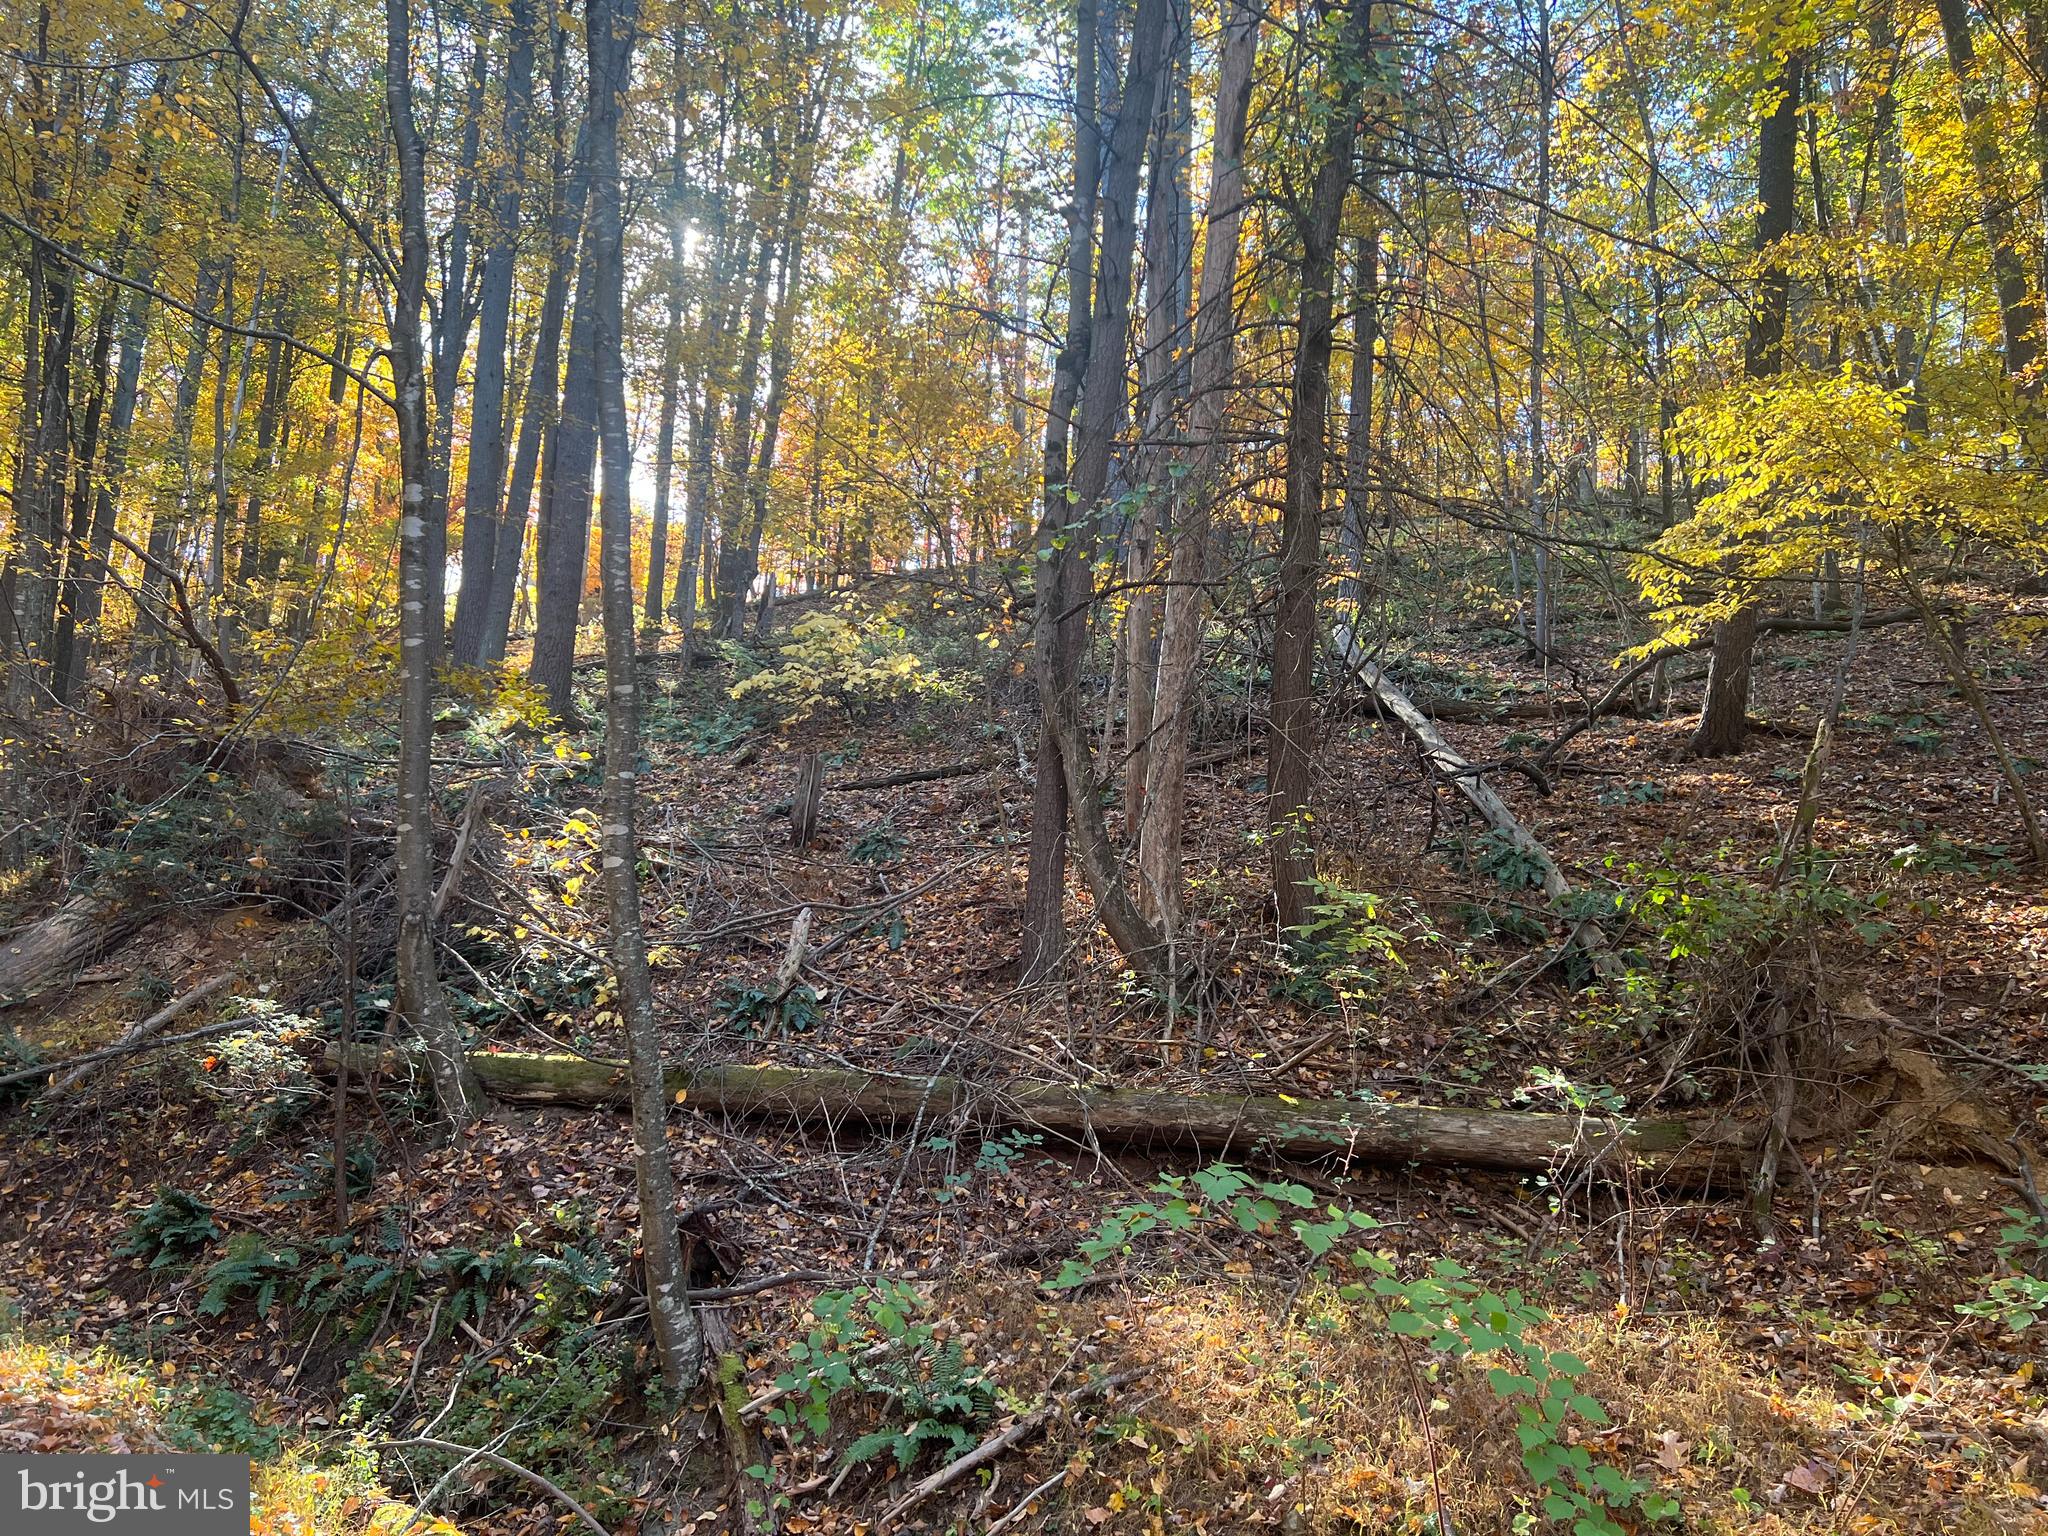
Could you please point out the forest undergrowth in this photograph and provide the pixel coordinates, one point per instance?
(1214, 1341)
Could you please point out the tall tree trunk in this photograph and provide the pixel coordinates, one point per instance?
(671, 347)
(1724, 714)
(729, 591)
(704, 410)
(1891, 189)
(1163, 375)
(86, 607)
(544, 378)
(2019, 306)
(1290, 835)
(1057, 555)
(679, 1342)
(706, 386)
(1539, 320)
(565, 502)
(1161, 883)
(452, 321)
(84, 463)
(1082, 507)
(249, 562)
(173, 511)
(42, 467)
(1653, 229)
(420, 1001)
(485, 482)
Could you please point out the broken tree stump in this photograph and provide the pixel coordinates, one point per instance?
(807, 798)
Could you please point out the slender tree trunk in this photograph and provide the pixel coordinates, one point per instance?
(706, 387)
(1365, 334)
(1891, 189)
(729, 592)
(1044, 921)
(249, 562)
(42, 468)
(481, 518)
(2019, 306)
(84, 463)
(781, 352)
(1163, 374)
(1161, 884)
(173, 510)
(565, 503)
(90, 601)
(1724, 715)
(1539, 320)
(671, 354)
(539, 420)
(1290, 834)
(1653, 228)
(679, 1342)
(1082, 506)
(420, 1001)
(451, 329)
(696, 506)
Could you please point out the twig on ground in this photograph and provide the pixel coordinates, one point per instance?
(1023, 1505)
(135, 1049)
(1000, 1442)
(155, 1024)
(428, 1442)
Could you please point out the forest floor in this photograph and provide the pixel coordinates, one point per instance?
(1822, 1382)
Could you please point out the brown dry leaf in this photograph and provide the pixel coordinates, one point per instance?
(1672, 1452)
(1810, 1477)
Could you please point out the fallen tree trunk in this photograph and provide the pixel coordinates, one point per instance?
(1342, 1130)
(71, 1064)
(1451, 765)
(1551, 707)
(1615, 701)
(73, 936)
(959, 770)
(141, 1034)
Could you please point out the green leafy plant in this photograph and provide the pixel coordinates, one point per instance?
(1935, 854)
(1642, 792)
(1498, 855)
(217, 1418)
(753, 1010)
(170, 1230)
(473, 1276)
(249, 1267)
(939, 1406)
(1445, 1310)
(876, 1344)
(313, 1177)
(1502, 922)
(996, 1157)
(711, 733)
(830, 661)
(1693, 913)
(1451, 1313)
(1344, 947)
(2017, 1301)
(879, 844)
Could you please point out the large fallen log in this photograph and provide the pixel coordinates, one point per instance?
(1229, 1125)
(59, 945)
